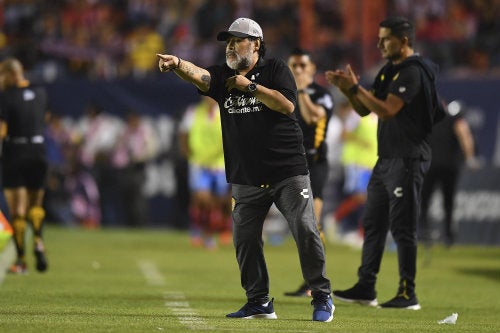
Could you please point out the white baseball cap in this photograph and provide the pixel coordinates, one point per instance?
(242, 27)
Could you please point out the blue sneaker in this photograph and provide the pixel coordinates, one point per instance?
(255, 311)
(323, 309)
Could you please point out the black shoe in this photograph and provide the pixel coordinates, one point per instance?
(41, 259)
(303, 291)
(357, 294)
(402, 301)
(255, 311)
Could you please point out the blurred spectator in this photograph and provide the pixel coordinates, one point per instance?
(99, 132)
(82, 190)
(452, 145)
(72, 197)
(359, 154)
(142, 41)
(333, 187)
(135, 147)
(200, 139)
(56, 201)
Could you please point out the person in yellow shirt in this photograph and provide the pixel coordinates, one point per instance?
(141, 42)
(201, 143)
(359, 155)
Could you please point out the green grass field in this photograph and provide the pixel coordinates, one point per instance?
(153, 281)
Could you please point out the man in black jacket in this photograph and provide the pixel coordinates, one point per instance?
(404, 98)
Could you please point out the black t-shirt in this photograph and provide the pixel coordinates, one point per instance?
(23, 109)
(261, 146)
(446, 151)
(407, 134)
(314, 135)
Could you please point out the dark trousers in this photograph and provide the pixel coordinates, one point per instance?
(393, 204)
(293, 198)
(447, 177)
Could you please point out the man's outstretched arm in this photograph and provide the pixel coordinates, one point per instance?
(186, 70)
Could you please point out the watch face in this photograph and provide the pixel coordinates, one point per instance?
(252, 87)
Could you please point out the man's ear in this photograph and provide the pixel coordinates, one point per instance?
(257, 44)
(313, 68)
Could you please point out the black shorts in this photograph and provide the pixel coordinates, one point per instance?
(319, 175)
(24, 165)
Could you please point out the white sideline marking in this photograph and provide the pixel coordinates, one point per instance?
(175, 301)
(151, 273)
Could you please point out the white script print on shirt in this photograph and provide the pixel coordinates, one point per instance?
(242, 104)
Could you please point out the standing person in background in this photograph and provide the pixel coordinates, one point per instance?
(24, 161)
(134, 148)
(314, 109)
(452, 143)
(99, 131)
(405, 100)
(333, 188)
(359, 155)
(265, 161)
(200, 141)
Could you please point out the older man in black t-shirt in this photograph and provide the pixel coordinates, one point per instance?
(405, 100)
(265, 161)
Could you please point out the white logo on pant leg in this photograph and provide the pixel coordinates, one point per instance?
(305, 193)
(398, 192)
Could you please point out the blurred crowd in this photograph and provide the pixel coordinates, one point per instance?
(455, 33)
(97, 173)
(100, 162)
(106, 39)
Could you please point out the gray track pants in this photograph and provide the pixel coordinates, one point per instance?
(293, 198)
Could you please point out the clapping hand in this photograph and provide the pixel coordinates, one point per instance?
(342, 79)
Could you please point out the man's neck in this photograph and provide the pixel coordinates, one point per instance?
(404, 55)
(249, 68)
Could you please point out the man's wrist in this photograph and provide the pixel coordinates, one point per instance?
(252, 87)
(354, 89)
(178, 63)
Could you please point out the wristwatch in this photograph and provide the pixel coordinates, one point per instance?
(252, 87)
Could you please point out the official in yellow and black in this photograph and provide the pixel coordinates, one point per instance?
(24, 163)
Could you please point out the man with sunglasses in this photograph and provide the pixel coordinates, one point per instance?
(265, 161)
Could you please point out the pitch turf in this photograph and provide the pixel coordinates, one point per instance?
(153, 281)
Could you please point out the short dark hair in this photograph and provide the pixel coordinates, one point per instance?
(297, 51)
(262, 48)
(400, 27)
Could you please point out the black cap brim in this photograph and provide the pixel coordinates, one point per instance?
(224, 35)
